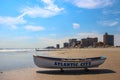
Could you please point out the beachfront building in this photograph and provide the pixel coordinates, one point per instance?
(108, 40)
(57, 46)
(72, 43)
(89, 42)
(99, 44)
(78, 44)
(66, 45)
(86, 42)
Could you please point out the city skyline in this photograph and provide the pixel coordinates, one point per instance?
(41, 23)
(108, 41)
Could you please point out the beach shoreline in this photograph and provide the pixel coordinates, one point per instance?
(107, 71)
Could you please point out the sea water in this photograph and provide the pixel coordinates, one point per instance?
(12, 58)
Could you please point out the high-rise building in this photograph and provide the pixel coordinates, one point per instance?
(57, 46)
(72, 42)
(88, 42)
(66, 45)
(108, 39)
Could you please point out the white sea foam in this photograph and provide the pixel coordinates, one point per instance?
(16, 49)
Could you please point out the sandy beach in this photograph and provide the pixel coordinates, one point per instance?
(110, 70)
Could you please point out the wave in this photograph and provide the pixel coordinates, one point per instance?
(16, 49)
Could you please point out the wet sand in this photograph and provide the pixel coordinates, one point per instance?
(110, 70)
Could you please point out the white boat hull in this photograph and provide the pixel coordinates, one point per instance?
(49, 62)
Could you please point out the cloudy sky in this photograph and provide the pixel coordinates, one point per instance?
(39, 23)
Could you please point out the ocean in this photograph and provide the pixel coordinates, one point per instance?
(14, 58)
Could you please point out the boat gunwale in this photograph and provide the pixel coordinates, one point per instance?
(71, 59)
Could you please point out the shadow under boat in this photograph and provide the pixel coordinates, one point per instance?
(77, 72)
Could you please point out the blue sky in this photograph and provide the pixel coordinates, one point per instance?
(39, 23)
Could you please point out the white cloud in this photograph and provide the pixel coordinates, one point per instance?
(76, 25)
(34, 28)
(51, 6)
(49, 10)
(114, 23)
(12, 21)
(109, 23)
(91, 4)
(112, 12)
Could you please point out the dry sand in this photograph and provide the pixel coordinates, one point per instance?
(110, 70)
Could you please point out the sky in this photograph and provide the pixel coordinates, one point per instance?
(42, 23)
